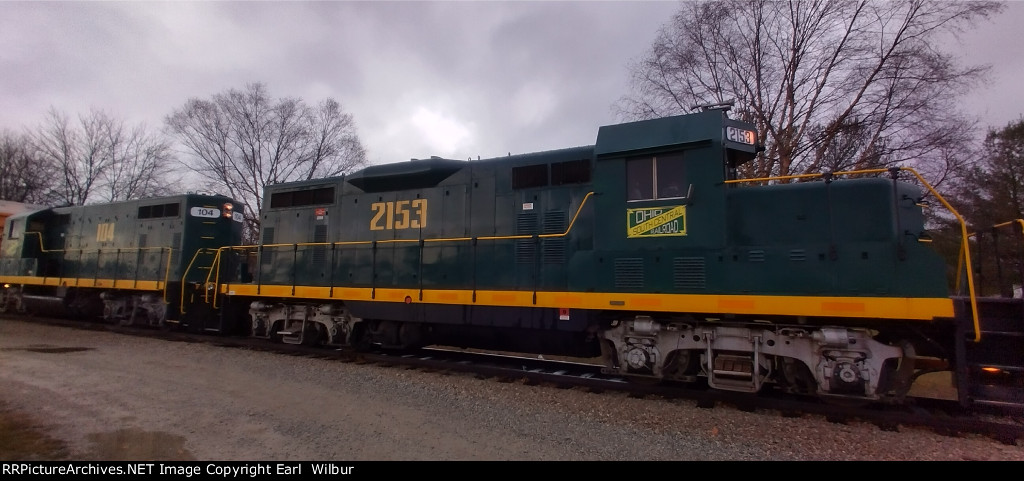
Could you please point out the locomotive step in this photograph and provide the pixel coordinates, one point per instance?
(1004, 397)
(1000, 367)
(996, 315)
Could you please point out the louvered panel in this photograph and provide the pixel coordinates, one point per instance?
(688, 273)
(526, 249)
(319, 252)
(629, 273)
(553, 248)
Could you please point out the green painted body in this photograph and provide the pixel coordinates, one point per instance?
(140, 240)
(475, 201)
(428, 224)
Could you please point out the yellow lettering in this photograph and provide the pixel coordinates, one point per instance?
(420, 221)
(657, 222)
(402, 210)
(403, 214)
(377, 207)
(105, 232)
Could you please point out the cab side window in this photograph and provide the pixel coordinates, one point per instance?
(661, 176)
(640, 178)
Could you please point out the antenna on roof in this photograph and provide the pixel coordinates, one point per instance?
(724, 105)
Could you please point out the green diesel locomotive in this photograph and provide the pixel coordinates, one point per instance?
(135, 261)
(644, 250)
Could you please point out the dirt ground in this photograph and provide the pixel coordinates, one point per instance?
(69, 394)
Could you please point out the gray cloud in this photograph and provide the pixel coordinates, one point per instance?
(456, 79)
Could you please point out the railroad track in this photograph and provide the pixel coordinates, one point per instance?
(945, 417)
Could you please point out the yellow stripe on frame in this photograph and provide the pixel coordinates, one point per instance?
(130, 284)
(866, 307)
(863, 307)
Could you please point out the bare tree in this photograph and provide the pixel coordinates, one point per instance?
(74, 154)
(830, 84)
(100, 159)
(23, 177)
(142, 164)
(243, 140)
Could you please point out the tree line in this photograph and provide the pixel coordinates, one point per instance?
(234, 143)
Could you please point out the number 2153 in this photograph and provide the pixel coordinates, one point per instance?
(404, 214)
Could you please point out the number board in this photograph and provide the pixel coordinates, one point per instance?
(402, 214)
(208, 212)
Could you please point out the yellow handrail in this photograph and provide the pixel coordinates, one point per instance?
(214, 267)
(974, 234)
(167, 268)
(965, 253)
(447, 239)
(167, 271)
(201, 250)
(1017, 221)
(392, 241)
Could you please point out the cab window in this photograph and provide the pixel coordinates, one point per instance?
(653, 177)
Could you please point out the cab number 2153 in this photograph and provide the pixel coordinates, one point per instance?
(403, 214)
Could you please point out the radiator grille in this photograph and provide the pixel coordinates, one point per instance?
(526, 249)
(629, 273)
(553, 248)
(319, 252)
(688, 273)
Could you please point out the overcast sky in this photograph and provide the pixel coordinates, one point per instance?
(453, 79)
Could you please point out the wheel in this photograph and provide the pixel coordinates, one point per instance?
(360, 338)
(798, 377)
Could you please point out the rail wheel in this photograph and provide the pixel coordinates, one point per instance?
(898, 375)
(798, 377)
(360, 338)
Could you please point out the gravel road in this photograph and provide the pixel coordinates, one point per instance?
(118, 397)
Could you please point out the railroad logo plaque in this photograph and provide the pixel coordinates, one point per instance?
(656, 221)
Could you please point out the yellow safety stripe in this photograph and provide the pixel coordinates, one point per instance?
(916, 308)
(133, 284)
(818, 306)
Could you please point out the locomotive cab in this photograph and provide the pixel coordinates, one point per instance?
(742, 285)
